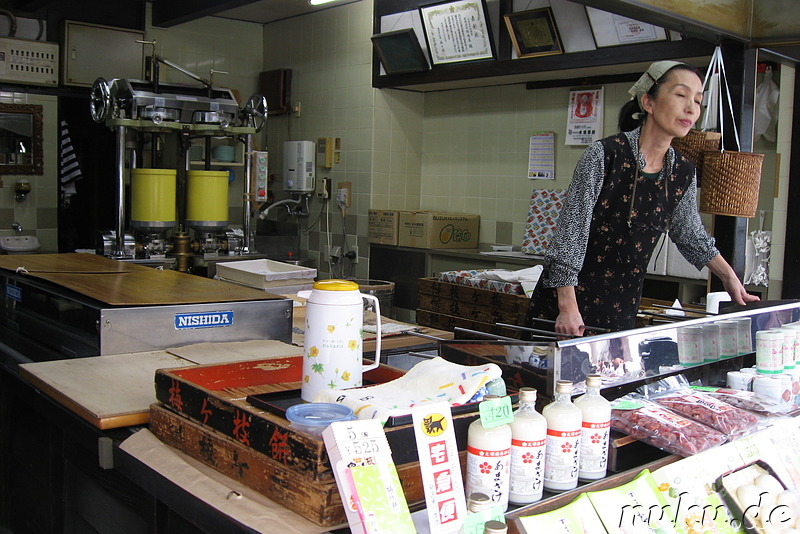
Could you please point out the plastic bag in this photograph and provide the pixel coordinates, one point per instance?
(750, 401)
(674, 393)
(660, 427)
(766, 114)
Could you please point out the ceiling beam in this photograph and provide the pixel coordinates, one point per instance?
(168, 13)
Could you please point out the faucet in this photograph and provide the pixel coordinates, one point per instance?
(17, 227)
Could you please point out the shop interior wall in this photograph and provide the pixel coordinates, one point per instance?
(37, 214)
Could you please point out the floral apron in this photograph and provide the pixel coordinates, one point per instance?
(628, 219)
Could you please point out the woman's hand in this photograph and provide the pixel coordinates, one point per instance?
(569, 320)
(730, 281)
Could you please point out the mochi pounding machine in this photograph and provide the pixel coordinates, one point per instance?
(154, 124)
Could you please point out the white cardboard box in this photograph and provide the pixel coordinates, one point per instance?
(265, 274)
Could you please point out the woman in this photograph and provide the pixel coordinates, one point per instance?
(626, 191)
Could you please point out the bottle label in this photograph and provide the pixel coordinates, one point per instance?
(561, 458)
(488, 472)
(594, 447)
(527, 466)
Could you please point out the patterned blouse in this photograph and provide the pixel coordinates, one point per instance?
(565, 255)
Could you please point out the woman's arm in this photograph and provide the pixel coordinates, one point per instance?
(569, 320)
(730, 281)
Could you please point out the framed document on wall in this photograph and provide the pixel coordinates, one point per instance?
(534, 33)
(610, 29)
(457, 31)
(399, 51)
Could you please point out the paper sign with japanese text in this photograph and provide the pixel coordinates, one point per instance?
(440, 467)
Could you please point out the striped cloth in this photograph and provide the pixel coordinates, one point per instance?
(69, 168)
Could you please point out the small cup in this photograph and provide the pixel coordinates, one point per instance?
(222, 153)
(314, 417)
(196, 152)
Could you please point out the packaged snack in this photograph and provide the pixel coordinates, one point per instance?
(660, 427)
(750, 401)
(674, 393)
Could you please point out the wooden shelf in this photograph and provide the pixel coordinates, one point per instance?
(602, 65)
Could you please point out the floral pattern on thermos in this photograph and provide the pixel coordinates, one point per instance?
(336, 380)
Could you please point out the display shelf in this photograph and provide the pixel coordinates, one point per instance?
(554, 70)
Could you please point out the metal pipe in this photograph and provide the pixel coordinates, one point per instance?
(119, 251)
(247, 193)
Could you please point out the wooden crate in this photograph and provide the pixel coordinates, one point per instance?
(445, 305)
(205, 406)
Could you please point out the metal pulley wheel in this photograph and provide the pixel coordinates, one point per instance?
(255, 112)
(100, 100)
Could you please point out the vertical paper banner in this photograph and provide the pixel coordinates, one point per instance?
(542, 156)
(585, 122)
(440, 467)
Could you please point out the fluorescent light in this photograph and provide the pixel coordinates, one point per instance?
(318, 2)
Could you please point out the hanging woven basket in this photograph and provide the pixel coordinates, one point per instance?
(730, 183)
(694, 144)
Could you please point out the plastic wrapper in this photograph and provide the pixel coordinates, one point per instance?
(675, 393)
(660, 427)
(750, 401)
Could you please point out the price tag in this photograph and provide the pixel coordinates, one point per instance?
(496, 412)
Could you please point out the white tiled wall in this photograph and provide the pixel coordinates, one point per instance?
(37, 213)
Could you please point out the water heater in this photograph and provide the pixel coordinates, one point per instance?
(298, 166)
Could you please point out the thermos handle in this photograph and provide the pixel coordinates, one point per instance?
(377, 362)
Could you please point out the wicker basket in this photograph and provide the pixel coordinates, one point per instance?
(694, 144)
(730, 183)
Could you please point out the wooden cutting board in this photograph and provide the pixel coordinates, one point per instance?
(122, 284)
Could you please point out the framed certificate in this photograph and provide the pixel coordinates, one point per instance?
(610, 29)
(457, 31)
(400, 52)
(533, 33)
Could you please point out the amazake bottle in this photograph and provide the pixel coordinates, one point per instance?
(528, 438)
(562, 451)
(596, 413)
(489, 460)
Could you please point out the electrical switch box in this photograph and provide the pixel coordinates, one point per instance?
(31, 62)
(325, 148)
(260, 168)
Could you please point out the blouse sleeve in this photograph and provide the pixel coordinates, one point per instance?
(564, 257)
(688, 233)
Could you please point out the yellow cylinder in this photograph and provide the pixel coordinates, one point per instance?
(153, 198)
(207, 199)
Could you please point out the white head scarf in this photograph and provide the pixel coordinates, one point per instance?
(649, 78)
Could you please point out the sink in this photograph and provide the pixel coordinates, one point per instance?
(19, 244)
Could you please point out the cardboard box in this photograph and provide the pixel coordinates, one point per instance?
(383, 225)
(438, 229)
(265, 274)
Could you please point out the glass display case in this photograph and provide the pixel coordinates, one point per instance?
(703, 347)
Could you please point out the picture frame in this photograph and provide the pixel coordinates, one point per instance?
(534, 33)
(457, 31)
(399, 51)
(610, 29)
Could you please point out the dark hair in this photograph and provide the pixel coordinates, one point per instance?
(626, 122)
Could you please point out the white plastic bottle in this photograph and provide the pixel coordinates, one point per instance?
(564, 421)
(596, 428)
(489, 461)
(528, 438)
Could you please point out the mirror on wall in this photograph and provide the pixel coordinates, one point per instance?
(20, 139)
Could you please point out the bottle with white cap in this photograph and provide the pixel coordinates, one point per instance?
(528, 439)
(489, 460)
(596, 412)
(564, 422)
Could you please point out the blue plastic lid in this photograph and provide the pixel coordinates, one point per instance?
(318, 414)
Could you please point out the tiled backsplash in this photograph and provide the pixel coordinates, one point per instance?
(37, 213)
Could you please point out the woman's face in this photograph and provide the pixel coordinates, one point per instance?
(676, 105)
